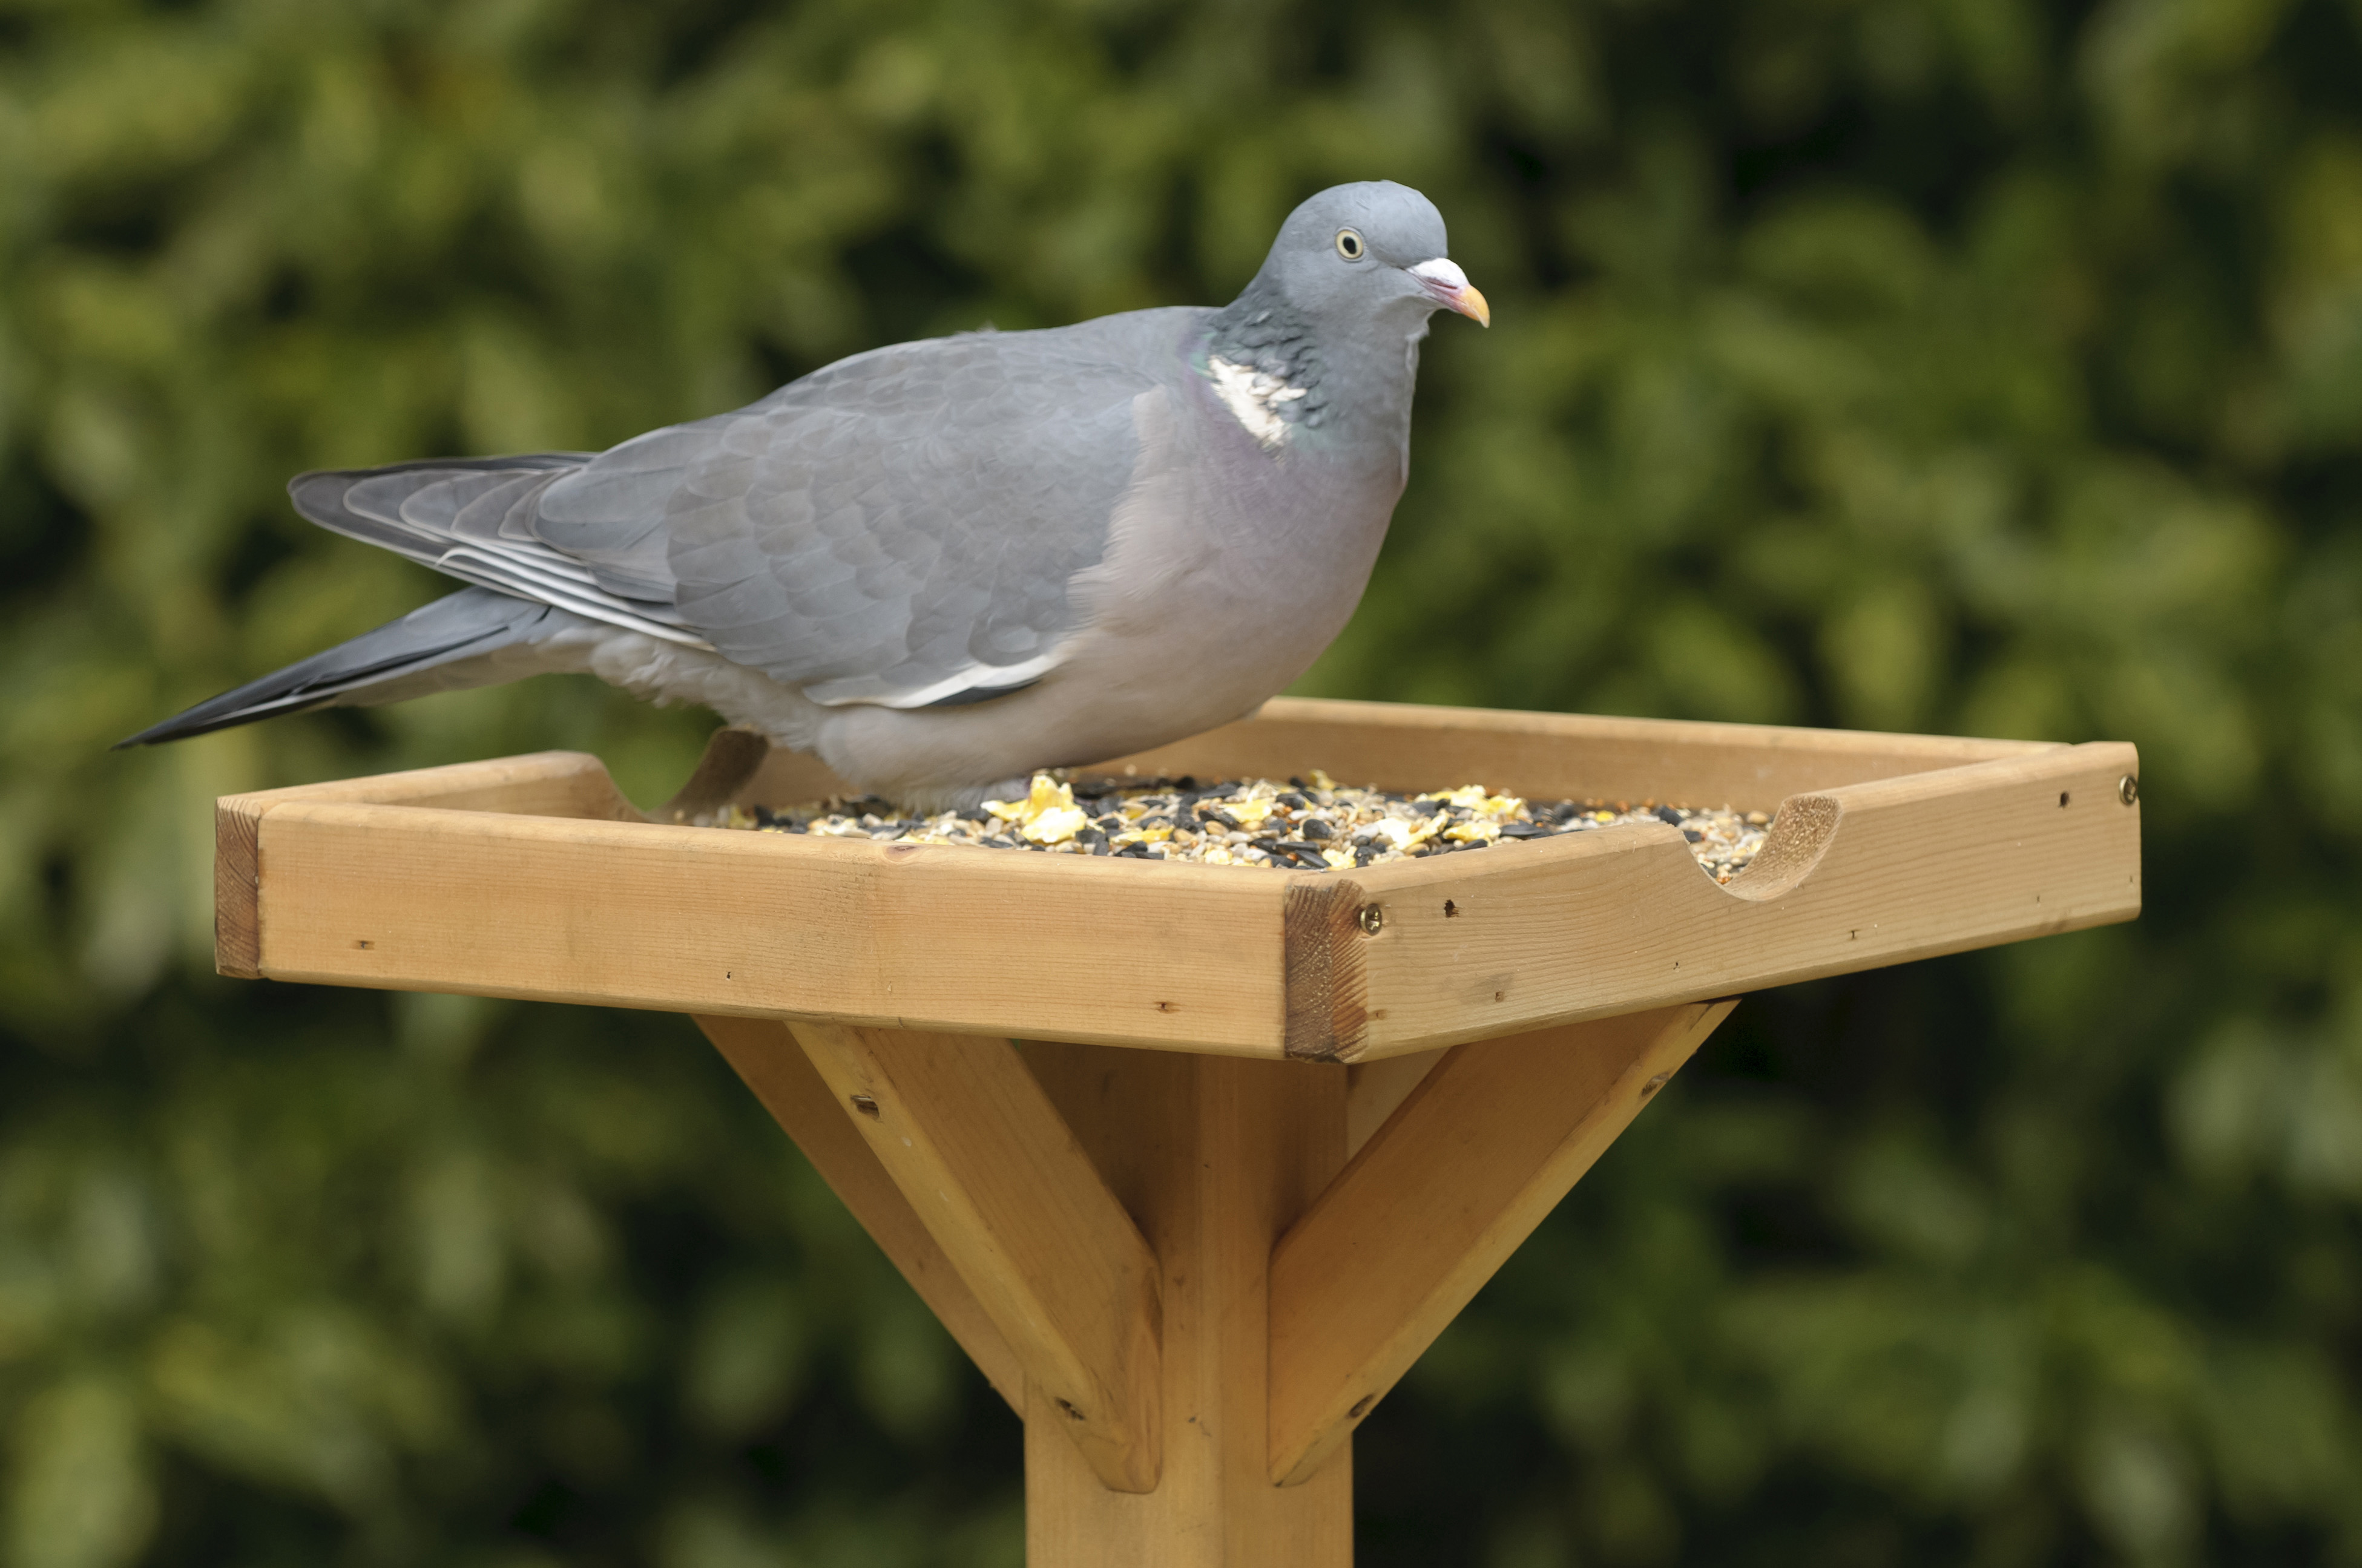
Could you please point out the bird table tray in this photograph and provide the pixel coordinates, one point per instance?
(1266, 1131)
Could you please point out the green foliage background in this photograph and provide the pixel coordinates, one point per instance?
(1973, 366)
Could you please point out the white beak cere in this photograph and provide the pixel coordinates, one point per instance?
(1443, 279)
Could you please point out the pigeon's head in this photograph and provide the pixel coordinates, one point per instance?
(1369, 251)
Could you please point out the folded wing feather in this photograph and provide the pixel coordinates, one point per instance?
(896, 529)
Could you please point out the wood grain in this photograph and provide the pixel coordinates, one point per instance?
(975, 940)
(1471, 1162)
(1007, 1193)
(768, 1060)
(1319, 918)
(238, 888)
(1405, 746)
(548, 889)
(543, 784)
(697, 920)
(1145, 1251)
(1376, 1089)
(1594, 925)
(1215, 1157)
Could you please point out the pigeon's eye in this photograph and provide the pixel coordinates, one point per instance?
(1350, 246)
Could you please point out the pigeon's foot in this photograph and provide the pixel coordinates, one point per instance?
(928, 800)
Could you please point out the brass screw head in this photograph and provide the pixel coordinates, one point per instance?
(2128, 789)
(1374, 920)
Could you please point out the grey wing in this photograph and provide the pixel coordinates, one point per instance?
(472, 517)
(899, 528)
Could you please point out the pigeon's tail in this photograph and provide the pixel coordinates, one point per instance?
(447, 645)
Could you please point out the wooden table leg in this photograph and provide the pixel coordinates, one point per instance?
(1167, 1262)
(1214, 1157)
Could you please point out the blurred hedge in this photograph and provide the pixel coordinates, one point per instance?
(1974, 366)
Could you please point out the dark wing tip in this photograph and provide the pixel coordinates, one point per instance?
(474, 619)
(240, 705)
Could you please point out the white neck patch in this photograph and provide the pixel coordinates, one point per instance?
(1254, 397)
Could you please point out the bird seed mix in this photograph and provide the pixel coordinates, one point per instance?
(1295, 826)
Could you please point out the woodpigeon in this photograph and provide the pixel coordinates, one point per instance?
(944, 565)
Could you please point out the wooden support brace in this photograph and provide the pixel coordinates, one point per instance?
(1215, 1156)
(766, 1056)
(1001, 1184)
(1477, 1154)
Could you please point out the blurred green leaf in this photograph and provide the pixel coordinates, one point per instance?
(1965, 366)
(80, 1494)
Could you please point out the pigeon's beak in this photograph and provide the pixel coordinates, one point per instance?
(1450, 287)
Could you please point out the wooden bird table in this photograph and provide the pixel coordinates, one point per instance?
(1266, 1131)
